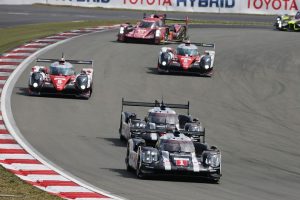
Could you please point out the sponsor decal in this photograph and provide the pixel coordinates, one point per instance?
(273, 4)
(184, 3)
(207, 3)
(149, 2)
(90, 1)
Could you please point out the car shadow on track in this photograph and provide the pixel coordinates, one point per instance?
(114, 141)
(153, 70)
(131, 174)
(25, 92)
(136, 42)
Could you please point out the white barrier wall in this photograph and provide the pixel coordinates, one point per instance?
(211, 6)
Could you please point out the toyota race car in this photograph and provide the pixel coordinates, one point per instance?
(161, 117)
(60, 78)
(174, 154)
(187, 59)
(153, 29)
(286, 22)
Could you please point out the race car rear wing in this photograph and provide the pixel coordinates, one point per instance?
(84, 62)
(200, 44)
(156, 104)
(164, 17)
(161, 131)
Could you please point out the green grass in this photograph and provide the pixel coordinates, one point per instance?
(11, 187)
(15, 36)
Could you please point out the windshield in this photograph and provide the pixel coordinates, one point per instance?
(185, 51)
(61, 70)
(162, 118)
(177, 146)
(145, 24)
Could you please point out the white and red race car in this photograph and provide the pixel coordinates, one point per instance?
(154, 29)
(186, 58)
(60, 78)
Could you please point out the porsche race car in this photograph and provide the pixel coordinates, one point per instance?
(174, 154)
(186, 58)
(160, 117)
(286, 22)
(153, 29)
(60, 78)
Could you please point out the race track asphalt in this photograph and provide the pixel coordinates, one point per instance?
(250, 109)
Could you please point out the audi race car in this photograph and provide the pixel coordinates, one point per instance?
(185, 58)
(286, 22)
(60, 78)
(153, 29)
(174, 154)
(160, 117)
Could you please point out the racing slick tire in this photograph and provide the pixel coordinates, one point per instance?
(138, 171)
(33, 93)
(122, 138)
(128, 167)
(215, 181)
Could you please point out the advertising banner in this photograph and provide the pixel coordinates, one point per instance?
(207, 6)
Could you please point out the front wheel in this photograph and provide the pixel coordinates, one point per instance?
(128, 168)
(215, 181)
(139, 172)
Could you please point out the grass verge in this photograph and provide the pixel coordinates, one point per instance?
(11, 187)
(15, 36)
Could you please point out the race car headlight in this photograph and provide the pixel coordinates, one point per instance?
(121, 30)
(35, 85)
(278, 19)
(149, 156)
(157, 33)
(206, 66)
(213, 160)
(164, 63)
(82, 87)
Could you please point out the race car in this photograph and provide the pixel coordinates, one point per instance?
(160, 117)
(174, 154)
(187, 59)
(286, 22)
(153, 29)
(60, 78)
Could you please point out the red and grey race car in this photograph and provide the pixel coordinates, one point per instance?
(187, 59)
(60, 78)
(153, 29)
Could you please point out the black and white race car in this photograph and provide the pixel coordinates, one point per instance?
(174, 154)
(161, 116)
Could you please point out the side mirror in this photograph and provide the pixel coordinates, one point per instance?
(146, 119)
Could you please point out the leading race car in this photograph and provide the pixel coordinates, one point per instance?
(174, 154)
(60, 78)
(153, 29)
(160, 117)
(286, 22)
(187, 59)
